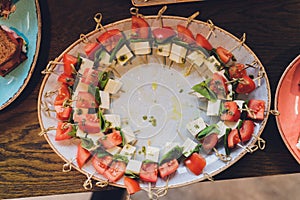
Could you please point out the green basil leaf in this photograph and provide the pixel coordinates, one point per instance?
(208, 130)
(174, 153)
(119, 45)
(120, 158)
(73, 132)
(130, 174)
(102, 121)
(87, 143)
(227, 150)
(103, 79)
(203, 89)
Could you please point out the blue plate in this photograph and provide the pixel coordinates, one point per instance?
(27, 23)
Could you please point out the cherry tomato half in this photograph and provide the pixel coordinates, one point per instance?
(232, 112)
(245, 85)
(185, 34)
(237, 71)
(62, 131)
(63, 95)
(69, 64)
(140, 27)
(233, 138)
(224, 54)
(63, 113)
(66, 79)
(115, 137)
(162, 34)
(247, 130)
(101, 164)
(257, 109)
(218, 85)
(91, 48)
(203, 42)
(82, 156)
(168, 168)
(86, 100)
(149, 172)
(195, 163)
(115, 171)
(110, 39)
(132, 186)
(89, 123)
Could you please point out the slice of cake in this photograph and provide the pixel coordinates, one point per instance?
(12, 51)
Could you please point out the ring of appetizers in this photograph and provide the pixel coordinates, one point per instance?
(85, 91)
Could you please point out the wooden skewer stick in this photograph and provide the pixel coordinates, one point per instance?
(250, 111)
(222, 157)
(50, 68)
(171, 63)
(135, 11)
(234, 80)
(67, 167)
(248, 149)
(98, 19)
(211, 29)
(84, 38)
(260, 142)
(241, 42)
(261, 75)
(189, 69)
(191, 18)
(44, 131)
(159, 15)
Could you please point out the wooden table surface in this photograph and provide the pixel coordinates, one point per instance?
(29, 167)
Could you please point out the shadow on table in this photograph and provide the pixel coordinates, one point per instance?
(118, 194)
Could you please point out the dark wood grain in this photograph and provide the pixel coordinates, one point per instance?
(29, 167)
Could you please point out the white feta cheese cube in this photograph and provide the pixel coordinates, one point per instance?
(152, 153)
(178, 53)
(213, 108)
(133, 167)
(222, 128)
(206, 73)
(95, 137)
(194, 127)
(113, 86)
(128, 151)
(196, 58)
(114, 150)
(114, 119)
(188, 147)
(80, 133)
(163, 49)
(104, 59)
(124, 55)
(105, 100)
(86, 63)
(141, 48)
(81, 87)
(211, 65)
(128, 134)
